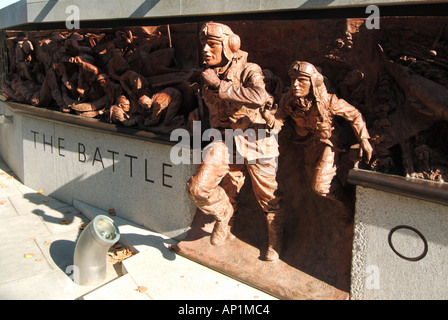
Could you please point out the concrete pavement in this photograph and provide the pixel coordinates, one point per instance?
(38, 236)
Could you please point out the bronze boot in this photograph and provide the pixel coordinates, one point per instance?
(275, 236)
(221, 230)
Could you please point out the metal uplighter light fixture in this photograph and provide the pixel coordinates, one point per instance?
(91, 250)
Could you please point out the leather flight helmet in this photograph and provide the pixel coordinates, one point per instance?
(307, 69)
(220, 32)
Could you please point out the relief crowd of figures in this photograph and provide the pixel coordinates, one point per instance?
(127, 77)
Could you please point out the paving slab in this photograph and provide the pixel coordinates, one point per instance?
(123, 288)
(61, 220)
(47, 274)
(50, 285)
(6, 208)
(58, 249)
(8, 187)
(21, 260)
(23, 188)
(29, 203)
(8, 181)
(21, 228)
(169, 276)
(47, 285)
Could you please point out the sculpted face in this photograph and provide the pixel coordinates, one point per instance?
(212, 53)
(300, 86)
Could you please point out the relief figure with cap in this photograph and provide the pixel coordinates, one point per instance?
(233, 90)
(314, 112)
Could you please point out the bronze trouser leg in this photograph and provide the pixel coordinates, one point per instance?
(266, 191)
(204, 190)
(204, 186)
(232, 184)
(264, 184)
(324, 181)
(209, 196)
(321, 169)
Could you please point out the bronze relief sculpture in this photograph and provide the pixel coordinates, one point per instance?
(234, 92)
(313, 111)
(98, 75)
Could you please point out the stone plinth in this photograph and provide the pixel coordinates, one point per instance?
(134, 177)
(400, 247)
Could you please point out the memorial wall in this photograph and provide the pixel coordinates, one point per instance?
(386, 73)
(387, 84)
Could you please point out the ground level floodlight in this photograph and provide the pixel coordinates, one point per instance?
(91, 250)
